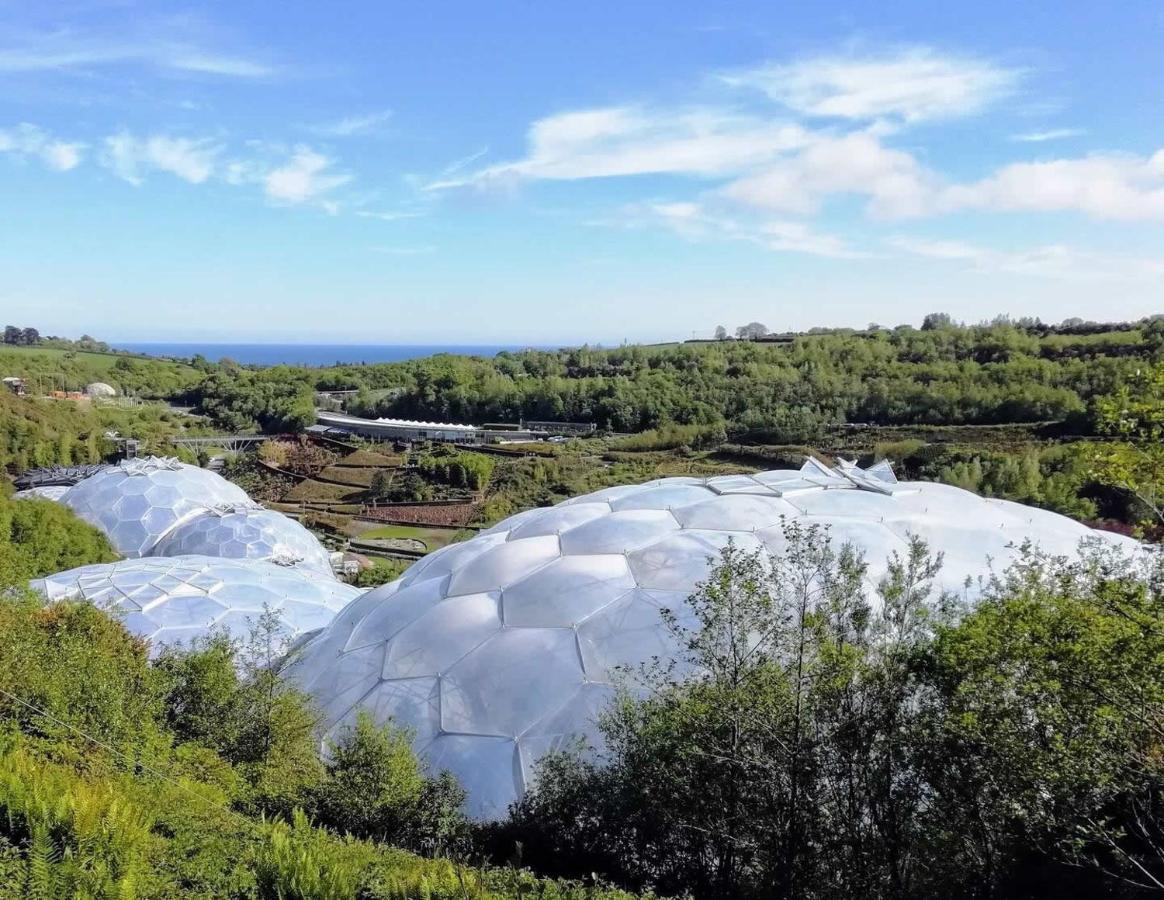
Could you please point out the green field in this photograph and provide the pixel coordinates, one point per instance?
(432, 538)
(52, 368)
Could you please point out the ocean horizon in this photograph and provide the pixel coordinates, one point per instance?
(312, 354)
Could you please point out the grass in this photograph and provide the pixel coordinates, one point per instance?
(94, 358)
(312, 490)
(432, 538)
(369, 459)
(352, 475)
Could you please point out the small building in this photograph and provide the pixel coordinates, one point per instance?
(563, 428)
(15, 385)
(411, 431)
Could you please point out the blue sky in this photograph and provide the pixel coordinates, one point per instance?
(550, 172)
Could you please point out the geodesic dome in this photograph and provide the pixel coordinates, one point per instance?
(245, 532)
(45, 492)
(138, 501)
(176, 600)
(100, 389)
(504, 647)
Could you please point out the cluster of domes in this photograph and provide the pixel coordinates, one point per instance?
(139, 501)
(201, 557)
(499, 649)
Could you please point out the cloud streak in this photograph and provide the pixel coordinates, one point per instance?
(1040, 137)
(72, 51)
(355, 126)
(913, 84)
(698, 221)
(1047, 261)
(620, 141)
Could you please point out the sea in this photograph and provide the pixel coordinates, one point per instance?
(312, 354)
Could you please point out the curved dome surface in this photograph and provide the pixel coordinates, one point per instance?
(44, 492)
(100, 389)
(138, 501)
(246, 532)
(501, 648)
(176, 600)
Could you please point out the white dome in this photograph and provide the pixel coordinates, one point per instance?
(246, 532)
(100, 389)
(175, 600)
(501, 648)
(44, 492)
(138, 501)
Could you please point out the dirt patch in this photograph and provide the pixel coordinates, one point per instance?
(450, 515)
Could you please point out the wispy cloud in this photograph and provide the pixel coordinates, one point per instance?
(131, 158)
(910, 84)
(30, 142)
(460, 165)
(69, 50)
(695, 221)
(355, 126)
(308, 176)
(622, 140)
(1047, 261)
(1039, 137)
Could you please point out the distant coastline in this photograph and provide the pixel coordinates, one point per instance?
(310, 354)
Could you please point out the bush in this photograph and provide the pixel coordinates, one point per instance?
(381, 572)
(39, 537)
(377, 789)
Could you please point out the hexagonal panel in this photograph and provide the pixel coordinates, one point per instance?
(510, 681)
(566, 591)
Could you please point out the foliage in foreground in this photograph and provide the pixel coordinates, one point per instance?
(39, 537)
(121, 778)
(825, 746)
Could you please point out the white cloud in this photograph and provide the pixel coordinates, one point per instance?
(354, 126)
(305, 177)
(911, 85)
(695, 221)
(1053, 134)
(1048, 261)
(625, 140)
(896, 185)
(131, 158)
(1104, 186)
(856, 164)
(67, 50)
(31, 142)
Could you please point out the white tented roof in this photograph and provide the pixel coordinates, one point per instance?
(503, 647)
